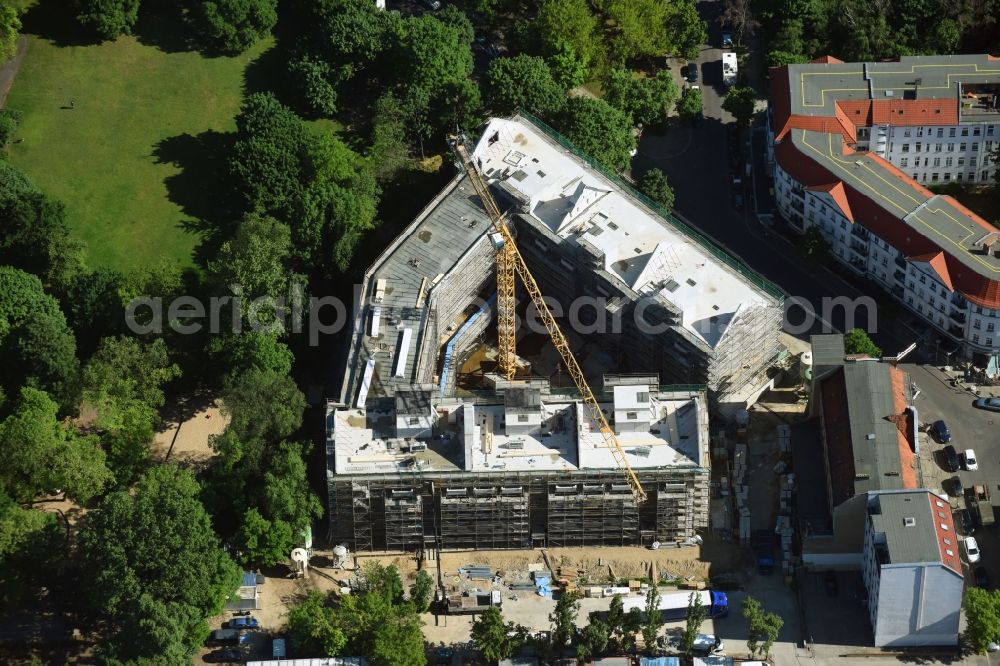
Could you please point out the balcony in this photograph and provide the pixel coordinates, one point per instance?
(860, 232)
(798, 206)
(897, 291)
(900, 276)
(860, 248)
(901, 261)
(956, 332)
(959, 303)
(957, 316)
(859, 265)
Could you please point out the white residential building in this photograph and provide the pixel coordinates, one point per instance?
(853, 148)
(911, 569)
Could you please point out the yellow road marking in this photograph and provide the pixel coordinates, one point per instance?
(847, 164)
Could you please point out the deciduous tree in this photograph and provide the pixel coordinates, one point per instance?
(982, 613)
(692, 623)
(10, 28)
(646, 100)
(690, 103)
(109, 18)
(313, 627)
(156, 539)
(599, 130)
(856, 341)
(422, 591)
(39, 453)
(492, 635)
(569, 68)
(36, 346)
(653, 619)
(571, 23)
(233, 26)
(523, 81)
(593, 640)
(741, 102)
(654, 185)
(563, 619)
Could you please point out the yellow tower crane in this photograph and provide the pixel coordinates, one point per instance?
(509, 261)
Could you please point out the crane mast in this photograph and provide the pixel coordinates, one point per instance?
(509, 261)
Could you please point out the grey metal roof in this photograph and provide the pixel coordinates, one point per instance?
(906, 544)
(874, 439)
(816, 87)
(444, 231)
(933, 217)
(828, 353)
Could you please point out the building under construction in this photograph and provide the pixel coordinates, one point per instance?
(524, 467)
(649, 296)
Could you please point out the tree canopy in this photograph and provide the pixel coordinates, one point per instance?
(312, 182)
(690, 104)
(654, 185)
(645, 100)
(10, 28)
(568, 26)
(856, 341)
(523, 81)
(741, 102)
(599, 130)
(41, 455)
(234, 25)
(109, 19)
(373, 622)
(36, 346)
(493, 636)
(982, 613)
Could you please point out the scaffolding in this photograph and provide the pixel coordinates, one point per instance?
(594, 512)
(493, 518)
(515, 510)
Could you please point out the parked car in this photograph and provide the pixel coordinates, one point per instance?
(225, 655)
(983, 578)
(243, 622)
(951, 459)
(953, 487)
(991, 404)
(692, 72)
(972, 549)
(969, 458)
(444, 656)
(965, 521)
(738, 201)
(940, 430)
(727, 40)
(708, 644)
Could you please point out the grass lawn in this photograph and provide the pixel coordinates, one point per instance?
(132, 158)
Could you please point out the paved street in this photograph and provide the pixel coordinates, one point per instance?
(970, 428)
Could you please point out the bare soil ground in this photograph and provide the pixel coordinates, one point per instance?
(184, 439)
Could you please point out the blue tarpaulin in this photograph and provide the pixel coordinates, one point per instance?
(660, 661)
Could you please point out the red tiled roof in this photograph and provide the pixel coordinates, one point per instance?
(837, 427)
(827, 60)
(941, 515)
(939, 265)
(915, 112)
(858, 112)
(839, 196)
(886, 224)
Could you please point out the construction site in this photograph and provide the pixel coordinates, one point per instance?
(458, 425)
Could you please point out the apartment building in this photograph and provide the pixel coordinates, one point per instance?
(854, 148)
(911, 569)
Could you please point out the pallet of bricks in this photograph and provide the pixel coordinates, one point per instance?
(741, 491)
(783, 529)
